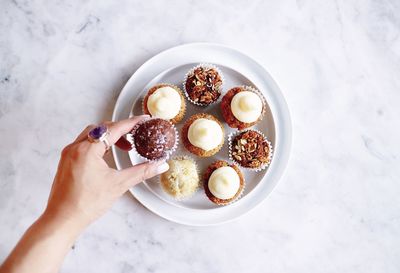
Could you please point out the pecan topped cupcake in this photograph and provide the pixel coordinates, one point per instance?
(203, 85)
(242, 107)
(250, 149)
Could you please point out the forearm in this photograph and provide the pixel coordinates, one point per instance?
(43, 246)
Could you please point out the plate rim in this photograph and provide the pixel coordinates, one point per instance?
(287, 126)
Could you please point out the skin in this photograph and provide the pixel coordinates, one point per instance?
(84, 188)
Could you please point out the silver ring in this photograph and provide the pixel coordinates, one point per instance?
(100, 134)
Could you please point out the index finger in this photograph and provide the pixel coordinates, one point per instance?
(117, 130)
(122, 127)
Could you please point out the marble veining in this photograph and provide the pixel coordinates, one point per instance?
(63, 64)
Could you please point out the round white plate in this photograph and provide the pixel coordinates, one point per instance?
(170, 66)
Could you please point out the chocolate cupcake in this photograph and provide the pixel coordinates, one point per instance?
(223, 183)
(203, 84)
(203, 135)
(165, 101)
(242, 107)
(154, 139)
(250, 149)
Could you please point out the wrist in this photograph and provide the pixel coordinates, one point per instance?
(73, 225)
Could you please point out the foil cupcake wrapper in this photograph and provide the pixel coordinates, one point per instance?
(206, 65)
(168, 153)
(180, 199)
(232, 135)
(173, 86)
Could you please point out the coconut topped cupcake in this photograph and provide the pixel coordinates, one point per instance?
(203, 135)
(165, 101)
(155, 139)
(250, 149)
(182, 179)
(223, 183)
(242, 107)
(203, 85)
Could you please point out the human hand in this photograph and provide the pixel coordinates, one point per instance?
(85, 187)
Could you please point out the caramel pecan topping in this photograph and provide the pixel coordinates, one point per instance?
(250, 149)
(203, 85)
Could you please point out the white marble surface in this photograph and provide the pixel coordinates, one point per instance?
(63, 64)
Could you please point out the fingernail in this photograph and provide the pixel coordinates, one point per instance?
(162, 168)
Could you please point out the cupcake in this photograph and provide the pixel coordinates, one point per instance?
(182, 179)
(165, 101)
(250, 149)
(154, 139)
(223, 183)
(203, 84)
(203, 135)
(242, 107)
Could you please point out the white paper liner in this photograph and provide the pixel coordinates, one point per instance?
(168, 153)
(173, 86)
(238, 196)
(179, 199)
(232, 135)
(205, 65)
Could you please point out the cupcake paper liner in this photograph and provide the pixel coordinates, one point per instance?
(179, 199)
(171, 85)
(168, 153)
(206, 65)
(232, 135)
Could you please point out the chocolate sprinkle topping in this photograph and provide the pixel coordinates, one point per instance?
(154, 138)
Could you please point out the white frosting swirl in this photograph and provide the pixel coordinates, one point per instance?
(164, 103)
(246, 106)
(224, 183)
(205, 134)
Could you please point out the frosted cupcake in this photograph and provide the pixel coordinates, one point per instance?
(165, 101)
(181, 180)
(203, 135)
(242, 107)
(203, 84)
(223, 183)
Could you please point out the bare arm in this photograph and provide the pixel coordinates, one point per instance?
(84, 189)
(43, 246)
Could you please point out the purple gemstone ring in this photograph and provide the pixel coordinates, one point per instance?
(100, 134)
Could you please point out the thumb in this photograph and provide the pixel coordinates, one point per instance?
(138, 173)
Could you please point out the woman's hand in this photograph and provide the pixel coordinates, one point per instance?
(85, 187)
